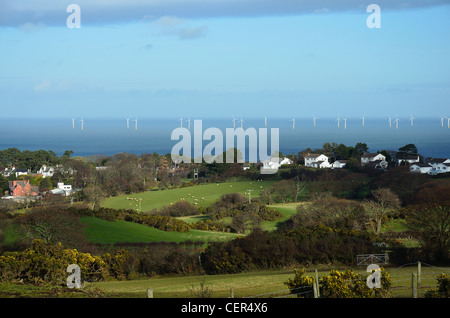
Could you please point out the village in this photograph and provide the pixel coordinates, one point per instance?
(21, 189)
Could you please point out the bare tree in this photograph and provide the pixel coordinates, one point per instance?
(299, 186)
(384, 202)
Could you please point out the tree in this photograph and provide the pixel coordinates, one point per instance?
(407, 150)
(4, 184)
(299, 186)
(94, 195)
(384, 201)
(431, 223)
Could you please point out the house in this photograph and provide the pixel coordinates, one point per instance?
(273, 163)
(408, 159)
(317, 161)
(439, 165)
(63, 189)
(339, 164)
(420, 167)
(22, 188)
(46, 171)
(16, 171)
(367, 158)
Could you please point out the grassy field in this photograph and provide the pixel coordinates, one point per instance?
(268, 283)
(203, 194)
(107, 232)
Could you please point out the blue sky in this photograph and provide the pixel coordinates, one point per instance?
(224, 58)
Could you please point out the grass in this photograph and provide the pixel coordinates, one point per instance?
(203, 194)
(268, 283)
(107, 232)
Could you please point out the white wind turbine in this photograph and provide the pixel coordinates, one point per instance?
(448, 122)
(128, 122)
(265, 121)
(314, 120)
(363, 118)
(135, 124)
(390, 121)
(82, 124)
(189, 123)
(242, 122)
(293, 122)
(234, 122)
(412, 120)
(396, 122)
(345, 123)
(73, 122)
(338, 120)
(442, 120)
(181, 121)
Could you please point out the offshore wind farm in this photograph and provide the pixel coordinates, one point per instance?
(108, 136)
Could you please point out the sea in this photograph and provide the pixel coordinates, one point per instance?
(109, 136)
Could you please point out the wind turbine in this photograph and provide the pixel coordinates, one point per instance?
(189, 123)
(128, 122)
(265, 121)
(448, 122)
(345, 123)
(73, 122)
(442, 120)
(181, 121)
(390, 122)
(242, 121)
(338, 120)
(234, 122)
(135, 124)
(293, 122)
(396, 122)
(314, 120)
(412, 120)
(82, 124)
(363, 120)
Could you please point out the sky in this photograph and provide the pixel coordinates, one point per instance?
(224, 58)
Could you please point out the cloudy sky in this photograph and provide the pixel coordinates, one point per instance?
(218, 58)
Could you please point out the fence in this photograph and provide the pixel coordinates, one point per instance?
(407, 281)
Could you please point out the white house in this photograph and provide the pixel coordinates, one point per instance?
(317, 161)
(339, 164)
(439, 165)
(420, 167)
(273, 163)
(367, 158)
(46, 171)
(409, 159)
(64, 189)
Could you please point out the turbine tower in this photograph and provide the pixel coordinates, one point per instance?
(128, 122)
(345, 123)
(135, 124)
(363, 120)
(242, 121)
(412, 120)
(396, 122)
(189, 123)
(181, 121)
(442, 120)
(293, 123)
(73, 122)
(338, 120)
(82, 124)
(265, 121)
(234, 122)
(314, 120)
(448, 122)
(390, 122)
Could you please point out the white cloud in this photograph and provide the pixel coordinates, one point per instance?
(174, 26)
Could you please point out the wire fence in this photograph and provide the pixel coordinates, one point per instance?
(411, 280)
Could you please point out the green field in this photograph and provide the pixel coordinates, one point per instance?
(107, 232)
(203, 194)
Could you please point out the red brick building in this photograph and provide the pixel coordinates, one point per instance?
(22, 188)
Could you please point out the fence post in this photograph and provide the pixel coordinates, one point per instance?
(413, 285)
(419, 273)
(231, 292)
(315, 290)
(317, 284)
(149, 293)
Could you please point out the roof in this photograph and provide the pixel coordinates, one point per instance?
(437, 160)
(313, 155)
(422, 165)
(370, 155)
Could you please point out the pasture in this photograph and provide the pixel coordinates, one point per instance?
(201, 195)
